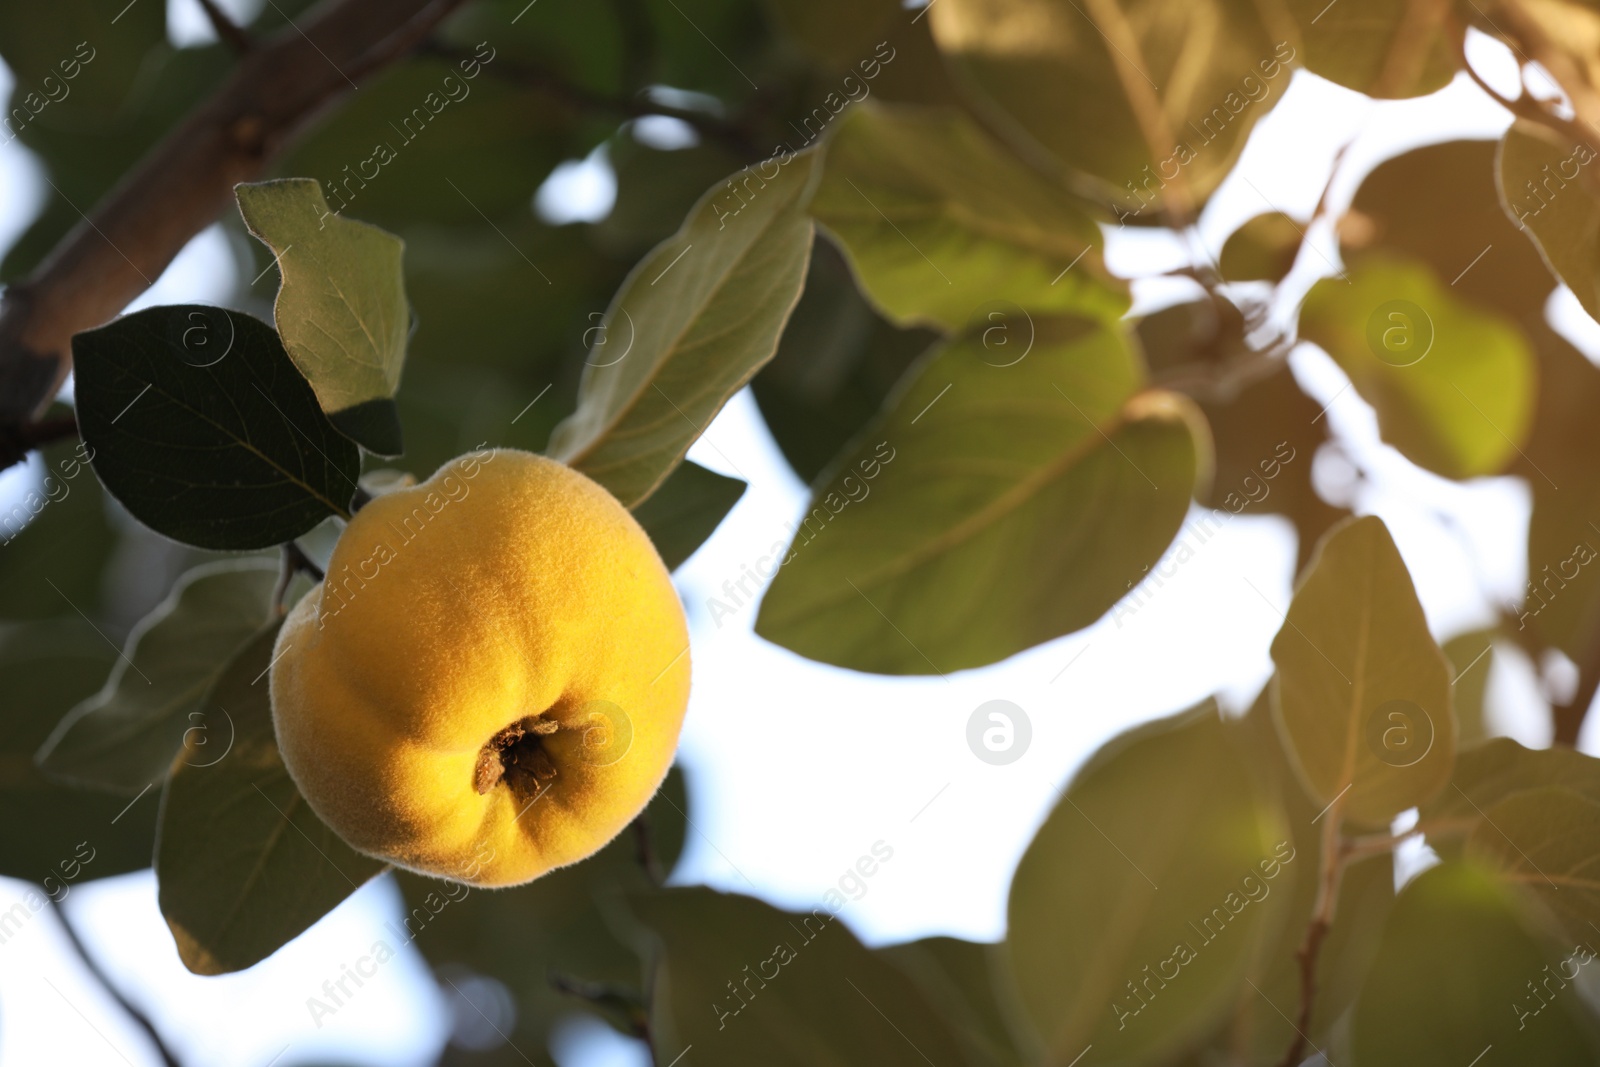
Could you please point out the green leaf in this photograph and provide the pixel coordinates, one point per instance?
(243, 864)
(993, 507)
(1488, 773)
(1136, 909)
(1362, 694)
(803, 989)
(341, 308)
(45, 668)
(1455, 976)
(835, 366)
(127, 735)
(1091, 85)
(938, 221)
(957, 978)
(1440, 205)
(1471, 656)
(1383, 48)
(686, 510)
(1546, 842)
(202, 428)
(1263, 249)
(1453, 384)
(690, 326)
(1545, 190)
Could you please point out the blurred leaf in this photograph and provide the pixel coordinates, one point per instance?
(992, 507)
(1488, 773)
(1266, 431)
(1134, 912)
(694, 321)
(1263, 249)
(227, 451)
(1088, 84)
(341, 308)
(656, 189)
(55, 540)
(243, 864)
(939, 221)
(1389, 49)
(836, 363)
(567, 923)
(127, 735)
(1362, 694)
(1545, 190)
(956, 977)
(1561, 601)
(686, 510)
(836, 1002)
(1454, 978)
(1546, 842)
(45, 668)
(1439, 205)
(578, 44)
(1471, 657)
(1453, 385)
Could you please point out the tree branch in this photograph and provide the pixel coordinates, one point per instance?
(186, 181)
(1332, 868)
(100, 976)
(227, 30)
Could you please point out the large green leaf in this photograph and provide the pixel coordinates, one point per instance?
(1455, 978)
(686, 510)
(693, 322)
(938, 221)
(205, 431)
(1453, 384)
(782, 989)
(243, 864)
(1362, 694)
(1546, 841)
(993, 507)
(1546, 188)
(836, 364)
(957, 977)
(48, 829)
(1131, 91)
(1488, 773)
(1384, 48)
(1135, 911)
(126, 735)
(341, 308)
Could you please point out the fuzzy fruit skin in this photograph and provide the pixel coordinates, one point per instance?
(524, 589)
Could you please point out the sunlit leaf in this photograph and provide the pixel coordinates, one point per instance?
(1453, 384)
(243, 864)
(1263, 249)
(1546, 190)
(1002, 500)
(1362, 693)
(1471, 656)
(693, 322)
(958, 979)
(1546, 842)
(126, 736)
(1135, 911)
(939, 221)
(1384, 48)
(341, 308)
(1459, 977)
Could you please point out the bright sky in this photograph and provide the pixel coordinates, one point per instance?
(796, 768)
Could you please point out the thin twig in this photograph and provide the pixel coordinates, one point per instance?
(228, 31)
(295, 561)
(100, 976)
(1332, 868)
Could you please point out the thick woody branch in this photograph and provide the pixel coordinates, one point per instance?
(186, 181)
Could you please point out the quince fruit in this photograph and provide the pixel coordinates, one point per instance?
(490, 681)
